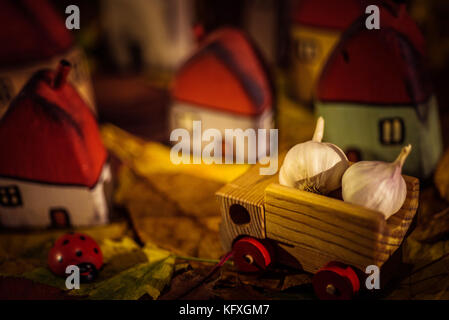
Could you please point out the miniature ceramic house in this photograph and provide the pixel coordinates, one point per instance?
(375, 96)
(225, 85)
(53, 166)
(316, 28)
(34, 37)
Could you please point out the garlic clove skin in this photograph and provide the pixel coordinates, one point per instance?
(313, 165)
(376, 185)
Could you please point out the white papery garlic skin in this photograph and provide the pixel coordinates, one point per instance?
(314, 165)
(377, 185)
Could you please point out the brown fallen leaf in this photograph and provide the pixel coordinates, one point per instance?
(192, 285)
(24, 289)
(239, 292)
(430, 203)
(209, 246)
(427, 251)
(295, 280)
(177, 234)
(266, 280)
(140, 197)
(18, 266)
(428, 280)
(441, 177)
(158, 219)
(193, 195)
(433, 229)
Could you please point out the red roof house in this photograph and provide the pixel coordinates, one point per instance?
(327, 14)
(54, 159)
(225, 74)
(31, 32)
(375, 94)
(34, 36)
(225, 84)
(315, 30)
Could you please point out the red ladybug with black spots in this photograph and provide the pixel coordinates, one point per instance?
(76, 249)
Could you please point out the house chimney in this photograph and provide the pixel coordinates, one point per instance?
(61, 74)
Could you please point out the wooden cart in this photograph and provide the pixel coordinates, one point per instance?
(264, 222)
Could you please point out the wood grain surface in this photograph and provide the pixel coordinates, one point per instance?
(310, 229)
(247, 191)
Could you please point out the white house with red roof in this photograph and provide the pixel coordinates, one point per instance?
(54, 170)
(225, 85)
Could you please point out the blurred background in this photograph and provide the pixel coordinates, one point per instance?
(178, 26)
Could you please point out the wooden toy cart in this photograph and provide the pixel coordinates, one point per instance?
(264, 222)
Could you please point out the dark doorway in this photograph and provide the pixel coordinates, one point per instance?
(59, 218)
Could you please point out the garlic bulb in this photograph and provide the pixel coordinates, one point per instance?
(314, 165)
(377, 185)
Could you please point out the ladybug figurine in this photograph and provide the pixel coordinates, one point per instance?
(76, 249)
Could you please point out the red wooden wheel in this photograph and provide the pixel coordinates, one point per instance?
(336, 281)
(250, 255)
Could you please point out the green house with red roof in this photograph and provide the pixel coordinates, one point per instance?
(375, 95)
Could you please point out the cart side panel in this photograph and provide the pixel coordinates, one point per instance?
(317, 229)
(246, 193)
(229, 230)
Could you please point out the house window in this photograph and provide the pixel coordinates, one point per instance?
(392, 131)
(306, 49)
(10, 196)
(59, 218)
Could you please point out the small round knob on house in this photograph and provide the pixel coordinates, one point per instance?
(76, 249)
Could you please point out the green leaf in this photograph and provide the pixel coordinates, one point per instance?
(129, 272)
(45, 276)
(131, 284)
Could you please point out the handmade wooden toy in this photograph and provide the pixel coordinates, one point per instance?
(155, 34)
(76, 249)
(34, 37)
(225, 85)
(316, 28)
(264, 223)
(375, 95)
(53, 168)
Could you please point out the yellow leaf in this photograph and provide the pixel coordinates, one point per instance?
(148, 158)
(111, 248)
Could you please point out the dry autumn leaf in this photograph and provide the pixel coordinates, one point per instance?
(441, 177)
(158, 217)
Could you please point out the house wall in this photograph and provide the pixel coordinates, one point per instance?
(183, 114)
(357, 126)
(311, 48)
(85, 206)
